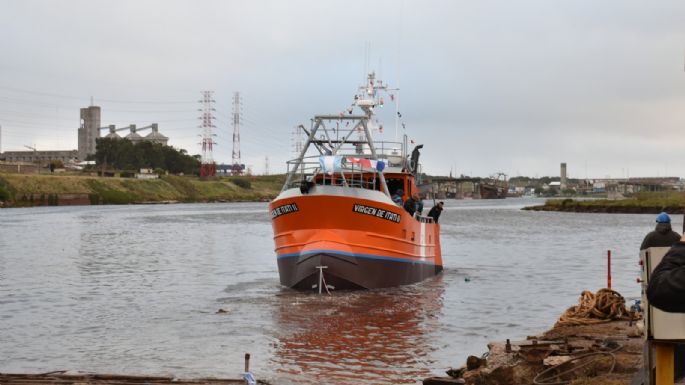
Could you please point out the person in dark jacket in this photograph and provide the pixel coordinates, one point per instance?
(435, 211)
(662, 236)
(666, 289)
(410, 204)
(419, 205)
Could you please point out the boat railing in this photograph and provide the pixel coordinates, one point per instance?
(392, 152)
(423, 219)
(308, 172)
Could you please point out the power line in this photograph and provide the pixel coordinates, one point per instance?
(63, 96)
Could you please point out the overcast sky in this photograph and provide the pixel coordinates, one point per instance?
(486, 86)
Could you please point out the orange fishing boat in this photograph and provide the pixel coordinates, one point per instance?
(335, 223)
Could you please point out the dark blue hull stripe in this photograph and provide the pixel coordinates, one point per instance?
(367, 256)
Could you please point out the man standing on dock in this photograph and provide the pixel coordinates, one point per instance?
(662, 236)
(666, 289)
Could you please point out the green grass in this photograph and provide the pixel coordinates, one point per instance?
(34, 189)
(646, 202)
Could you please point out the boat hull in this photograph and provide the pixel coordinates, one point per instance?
(360, 242)
(349, 272)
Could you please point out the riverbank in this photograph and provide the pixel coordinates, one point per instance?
(21, 190)
(642, 203)
(594, 343)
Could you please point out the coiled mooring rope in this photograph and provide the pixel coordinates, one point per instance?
(604, 306)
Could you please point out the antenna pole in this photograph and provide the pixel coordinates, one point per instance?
(397, 112)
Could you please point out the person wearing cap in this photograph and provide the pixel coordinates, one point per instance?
(435, 211)
(662, 236)
(397, 197)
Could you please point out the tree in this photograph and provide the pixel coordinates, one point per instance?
(122, 154)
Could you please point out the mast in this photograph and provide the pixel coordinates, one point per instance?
(330, 140)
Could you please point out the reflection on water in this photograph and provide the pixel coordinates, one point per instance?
(136, 289)
(380, 336)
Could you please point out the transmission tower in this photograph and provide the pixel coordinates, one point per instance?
(266, 165)
(296, 141)
(207, 166)
(237, 168)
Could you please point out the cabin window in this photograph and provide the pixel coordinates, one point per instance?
(412, 235)
(373, 184)
(394, 184)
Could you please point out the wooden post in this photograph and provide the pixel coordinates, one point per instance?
(664, 363)
(609, 269)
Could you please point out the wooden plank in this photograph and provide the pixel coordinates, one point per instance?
(664, 363)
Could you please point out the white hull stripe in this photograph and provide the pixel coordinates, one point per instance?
(422, 240)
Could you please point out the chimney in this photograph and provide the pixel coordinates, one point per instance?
(562, 182)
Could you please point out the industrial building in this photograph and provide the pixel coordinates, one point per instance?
(133, 136)
(38, 156)
(88, 131)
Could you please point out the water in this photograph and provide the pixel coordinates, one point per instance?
(137, 290)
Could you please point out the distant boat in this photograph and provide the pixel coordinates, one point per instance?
(335, 223)
(491, 191)
(496, 187)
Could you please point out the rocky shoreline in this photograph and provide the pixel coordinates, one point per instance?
(596, 352)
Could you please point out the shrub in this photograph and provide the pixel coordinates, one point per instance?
(5, 194)
(242, 183)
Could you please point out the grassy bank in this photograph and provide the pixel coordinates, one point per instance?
(34, 190)
(647, 202)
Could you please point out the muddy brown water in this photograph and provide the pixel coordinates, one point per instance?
(138, 289)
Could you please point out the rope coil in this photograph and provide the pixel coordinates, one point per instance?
(604, 306)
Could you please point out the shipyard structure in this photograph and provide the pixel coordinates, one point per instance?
(90, 128)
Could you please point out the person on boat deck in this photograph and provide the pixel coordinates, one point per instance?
(419, 205)
(662, 236)
(410, 204)
(397, 197)
(435, 211)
